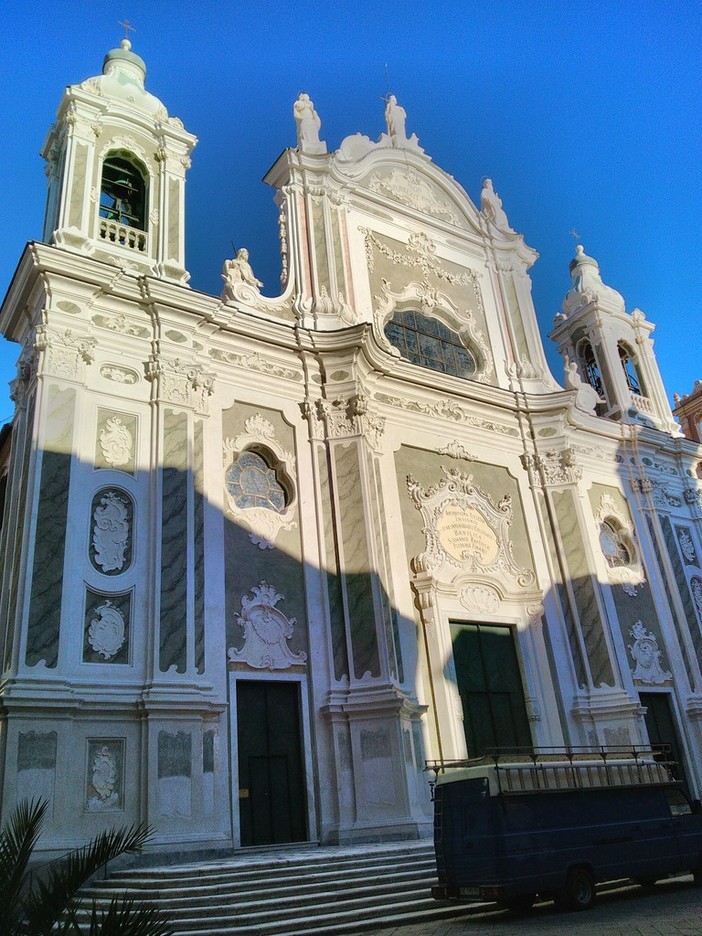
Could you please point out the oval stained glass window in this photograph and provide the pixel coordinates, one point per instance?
(253, 483)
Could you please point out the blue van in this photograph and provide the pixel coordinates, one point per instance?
(553, 823)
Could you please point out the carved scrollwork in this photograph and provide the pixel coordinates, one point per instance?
(111, 531)
(266, 632)
(464, 528)
(647, 657)
(618, 544)
(106, 633)
(181, 382)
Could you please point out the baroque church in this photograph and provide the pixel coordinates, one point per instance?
(264, 558)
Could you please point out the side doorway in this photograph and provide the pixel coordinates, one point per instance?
(661, 729)
(490, 686)
(272, 803)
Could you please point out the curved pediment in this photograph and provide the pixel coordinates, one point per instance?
(408, 179)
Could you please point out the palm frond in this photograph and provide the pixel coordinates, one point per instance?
(125, 917)
(53, 894)
(17, 841)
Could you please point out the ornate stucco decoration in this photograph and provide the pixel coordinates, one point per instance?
(465, 530)
(553, 467)
(263, 522)
(687, 547)
(433, 303)
(117, 374)
(266, 632)
(408, 187)
(346, 417)
(103, 792)
(420, 254)
(457, 450)
(696, 592)
(64, 353)
(116, 443)
(446, 409)
(27, 366)
(106, 633)
(110, 535)
(618, 544)
(182, 382)
(647, 657)
(480, 598)
(119, 323)
(255, 362)
(662, 498)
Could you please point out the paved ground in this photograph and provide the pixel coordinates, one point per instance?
(669, 908)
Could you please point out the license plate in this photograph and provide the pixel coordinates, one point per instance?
(469, 891)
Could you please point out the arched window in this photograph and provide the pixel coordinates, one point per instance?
(590, 367)
(123, 191)
(429, 343)
(614, 544)
(252, 482)
(633, 380)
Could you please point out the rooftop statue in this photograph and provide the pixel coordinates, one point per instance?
(491, 207)
(308, 126)
(236, 273)
(395, 119)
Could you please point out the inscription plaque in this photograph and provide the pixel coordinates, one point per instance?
(463, 532)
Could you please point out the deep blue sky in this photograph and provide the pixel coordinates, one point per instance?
(586, 116)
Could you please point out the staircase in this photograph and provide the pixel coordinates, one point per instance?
(290, 892)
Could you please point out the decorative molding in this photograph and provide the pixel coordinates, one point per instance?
(105, 775)
(64, 353)
(553, 467)
(266, 632)
(696, 592)
(446, 409)
(465, 530)
(118, 322)
(647, 657)
(346, 417)
(122, 375)
(254, 362)
(409, 188)
(181, 382)
(264, 523)
(435, 304)
(480, 598)
(457, 450)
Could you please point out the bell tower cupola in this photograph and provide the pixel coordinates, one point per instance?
(612, 349)
(116, 164)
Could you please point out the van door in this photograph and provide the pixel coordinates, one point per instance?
(688, 829)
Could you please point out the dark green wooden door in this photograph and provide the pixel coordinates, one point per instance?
(490, 687)
(271, 778)
(661, 726)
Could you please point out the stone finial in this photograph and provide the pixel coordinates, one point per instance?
(308, 126)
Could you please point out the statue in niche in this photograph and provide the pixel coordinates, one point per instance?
(647, 657)
(237, 272)
(395, 119)
(491, 207)
(308, 126)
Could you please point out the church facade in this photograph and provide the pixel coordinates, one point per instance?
(263, 558)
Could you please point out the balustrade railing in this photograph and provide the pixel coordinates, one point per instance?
(122, 234)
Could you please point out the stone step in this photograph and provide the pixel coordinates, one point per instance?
(291, 888)
(289, 892)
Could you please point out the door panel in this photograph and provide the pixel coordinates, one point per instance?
(490, 687)
(272, 805)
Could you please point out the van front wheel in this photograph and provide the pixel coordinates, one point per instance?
(579, 891)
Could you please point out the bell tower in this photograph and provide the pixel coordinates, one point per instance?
(612, 349)
(116, 164)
